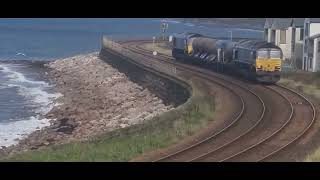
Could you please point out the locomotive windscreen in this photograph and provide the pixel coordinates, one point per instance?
(269, 53)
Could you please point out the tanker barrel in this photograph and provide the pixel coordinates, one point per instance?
(204, 45)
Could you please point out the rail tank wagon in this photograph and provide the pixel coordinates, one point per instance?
(254, 59)
(180, 42)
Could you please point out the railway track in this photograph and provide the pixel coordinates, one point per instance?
(267, 123)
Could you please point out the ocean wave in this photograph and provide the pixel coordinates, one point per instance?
(173, 21)
(18, 77)
(13, 131)
(245, 29)
(35, 93)
(189, 24)
(168, 21)
(42, 99)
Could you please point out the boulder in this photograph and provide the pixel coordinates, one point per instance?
(65, 129)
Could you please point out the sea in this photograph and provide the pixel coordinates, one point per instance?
(26, 95)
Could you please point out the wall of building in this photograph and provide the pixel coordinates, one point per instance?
(316, 55)
(314, 29)
(298, 31)
(266, 34)
(297, 55)
(269, 35)
(312, 47)
(286, 48)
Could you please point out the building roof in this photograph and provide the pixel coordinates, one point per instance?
(268, 23)
(281, 23)
(224, 43)
(314, 20)
(314, 36)
(256, 44)
(186, 35)
(298, 22)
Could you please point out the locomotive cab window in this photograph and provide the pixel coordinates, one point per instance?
(269, 54)
(275, 54)
(263, 54)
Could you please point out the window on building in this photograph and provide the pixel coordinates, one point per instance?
(306, 46)
(283, 37)
(293, 47)
(318, 45)
(293, 35)
(307, 29)
(301, 34)
(310, 63)
(273, 36)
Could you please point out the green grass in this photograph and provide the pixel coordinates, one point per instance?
(314, 157)
(125, 144)
(307, 78)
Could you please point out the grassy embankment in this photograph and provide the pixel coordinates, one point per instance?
(308, 83)
(127, 143)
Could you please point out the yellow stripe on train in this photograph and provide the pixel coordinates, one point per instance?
(268, 65)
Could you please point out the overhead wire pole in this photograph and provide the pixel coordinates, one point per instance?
(153, 46)
(164, 27)
(223, 58)
(153, 41)
(218, 57)
(230, 35)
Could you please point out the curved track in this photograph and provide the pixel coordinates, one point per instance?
(269, 120)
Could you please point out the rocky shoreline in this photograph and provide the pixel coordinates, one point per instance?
(96, 99)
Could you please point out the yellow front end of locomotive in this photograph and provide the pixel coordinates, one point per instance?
(268, 65)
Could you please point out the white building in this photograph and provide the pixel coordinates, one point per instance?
(285, 33)
(311, 45)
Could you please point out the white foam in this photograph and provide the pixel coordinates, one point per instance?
(244, 29)
(172, 21)
(189, 24)
(37, 96)
(19, 77)
(9, 132)
(168, 21)
(21, 54)
(43, 99)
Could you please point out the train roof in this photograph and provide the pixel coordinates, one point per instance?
(255, 44)
(224, 43)
(186, 35)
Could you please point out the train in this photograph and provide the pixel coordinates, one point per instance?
(253, 59)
